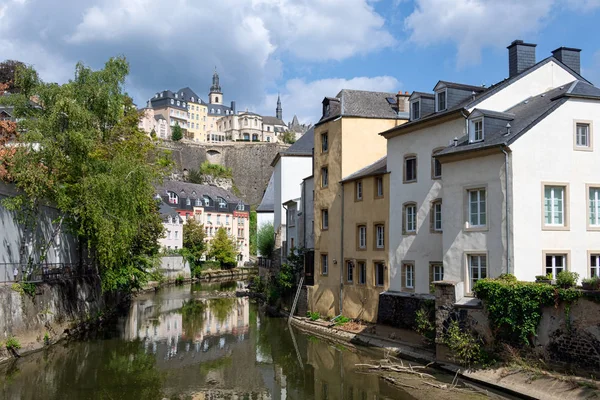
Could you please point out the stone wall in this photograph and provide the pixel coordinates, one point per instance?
(398, 309)
(302, 306)
(173, 266)
(250, 162)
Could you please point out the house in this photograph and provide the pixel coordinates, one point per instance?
(173, 228)
(495, 180)
(346, 140)
(265, 212)
(214, 208)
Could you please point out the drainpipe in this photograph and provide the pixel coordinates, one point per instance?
(342, 254)
(507, 208)
(286, 233)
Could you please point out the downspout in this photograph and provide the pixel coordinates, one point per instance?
(342, 253)
(286, 233)
(507, 208)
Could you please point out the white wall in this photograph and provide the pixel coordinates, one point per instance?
(546, 154)
(425, 246)
(308, 212)
(289, 172)
(549, 76)
(172, 243)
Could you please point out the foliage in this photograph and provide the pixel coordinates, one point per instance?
(313, 315)
(192, 317)
(539, 278)
(221, 308)
(594, 282)
(425, 322)
(12, 343)
(223, 249)
(288, 137)
(257, 284)
(253, 233)
(341, 320)
(194, 240)
(176, 133)
(266, 240)
(515, 308)
(24, 288)
(82, 151)
(46, 339)
(567, 279)
(211, 265)
(464, 346)
(8, 70)
(215, 170)
(179, 279)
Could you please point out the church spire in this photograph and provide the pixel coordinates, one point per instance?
(279, 110)
(216, 87)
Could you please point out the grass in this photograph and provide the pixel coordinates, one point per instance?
(313, 316)
(12, 343)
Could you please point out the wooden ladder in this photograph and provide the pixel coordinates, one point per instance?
(293, 310)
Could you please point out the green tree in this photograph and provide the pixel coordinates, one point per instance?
(82, 151)
(177, 133)
(223, 249)
(193, 239)
(289, 137)
(253, 233)
(266, 240)
(8, 69)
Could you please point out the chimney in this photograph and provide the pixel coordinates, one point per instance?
(233, 107)
(521, 56)
(569, 56)
(402, 101)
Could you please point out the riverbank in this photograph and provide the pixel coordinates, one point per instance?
(511, 380)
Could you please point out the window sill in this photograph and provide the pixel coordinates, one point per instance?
(555, 228)
(593, 228)
(583, 148)
(407, 182)
(409, 233)
(436, 178)
(379, 249)
(361, 249)
(377, 197)
(477, 229)
(358, 200)
(436, 231)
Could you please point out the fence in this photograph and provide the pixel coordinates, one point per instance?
(47, 272)
(264, 262)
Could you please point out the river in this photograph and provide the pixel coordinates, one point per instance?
(184, 343)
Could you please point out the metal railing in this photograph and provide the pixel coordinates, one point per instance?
(264, 262)
(44, 272)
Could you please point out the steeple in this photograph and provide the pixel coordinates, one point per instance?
(279, 110)
(215, 96)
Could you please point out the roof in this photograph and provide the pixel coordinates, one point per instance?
(188, 93)
(377, 168)
(213, 109)
(302, 146)
(267, 203)
(461, 86)
(361, 103)
(199, 190)
(167, 211)
(527, 114)
(272, 121)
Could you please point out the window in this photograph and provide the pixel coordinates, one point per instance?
(437, 272)
(168, 234)
(324, 264)
(583, 139)
(173, 198)
(379, 274)
(324, 219)
(555, 263)
(362, 273)
(227, 220)
(178, 103)
(324, 177)
(594, 265)
(594, 207)
(218, 219)
(362, 236)
(349, 272)
(416, 110)
(409, 275)
(477, 268)
(324, 142)
(436, 216)
(176, 234)
(441, 100)
(478, 133)
(436, 165)
(379, 186)
(410, 219)
(359, 190)
(208, 218)
(188, 202)
(379, 236)
(477, 208)
(410, 169)
(554, 206)
(172, 101)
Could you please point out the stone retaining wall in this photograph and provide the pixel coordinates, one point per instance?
(398, 309)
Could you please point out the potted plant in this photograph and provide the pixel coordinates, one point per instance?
(546, 279)
(591, 283)
(567, 279)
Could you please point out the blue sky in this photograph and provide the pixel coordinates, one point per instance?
(302, 49)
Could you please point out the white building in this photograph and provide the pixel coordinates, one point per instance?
(454, 215)
(173, 224)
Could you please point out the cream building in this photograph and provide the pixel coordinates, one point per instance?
(212, 207)
(346, 140)
(497, 180)
(173, 228)
(197, 111)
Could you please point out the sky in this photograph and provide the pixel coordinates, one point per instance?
(303, 50)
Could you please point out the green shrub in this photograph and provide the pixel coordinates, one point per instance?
(179, 280)
(508, 278)
(24, 288)
(12, 343)
(543, 277)
(424, 323)
(210, 265)
(215, 170)
(341, 320)
(567, 279)
(46, 339)
(313, 315)
(465, 347)
(594, 282)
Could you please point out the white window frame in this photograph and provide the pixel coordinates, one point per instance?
(588, 138)
(409, 276)
(362, 272)
(437, 216)
(594, 264)
(349, 272)
(437, 272)
(549, 206)
(324, 264)
(379, 185)
(412, 110)
(325, 221)
(407, 158)
(410, 226)
(359, 190)
(324, 177)
(437, 101)
(593, 203)
(324, 142)
(173, 198)
(553, 267)
(380, 236)
(475, 135)
(481, 205)
(362, 237)
(480, 267)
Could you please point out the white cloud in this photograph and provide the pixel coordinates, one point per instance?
(304, 98)
(583, 5)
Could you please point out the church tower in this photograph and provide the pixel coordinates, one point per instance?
(278, 110)
(215, 96)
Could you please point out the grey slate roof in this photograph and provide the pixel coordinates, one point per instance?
(267, 203)
(377, 168)
(583, 89)
(188, 93)
(200, 190)
(213, 109)
(361, 103)
(462, 86)
(167, 211)
(303, 146)
(273, 121)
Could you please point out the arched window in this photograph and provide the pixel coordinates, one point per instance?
(206, 200)
(183, 104)
(192, 99)
(218, 111)
(216, 99)
(188, 202)
(172, 101)
(212, 110)
(222, 202)
(173, 198)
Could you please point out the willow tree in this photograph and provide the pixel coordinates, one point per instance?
(79, 148)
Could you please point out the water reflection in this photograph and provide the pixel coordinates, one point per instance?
(177, 344)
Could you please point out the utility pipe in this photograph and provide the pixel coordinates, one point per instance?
(342, 253)
(507, 208)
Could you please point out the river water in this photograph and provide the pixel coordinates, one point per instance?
(183, 343)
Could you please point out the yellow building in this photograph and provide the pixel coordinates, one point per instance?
(347, 140)
(197, 111)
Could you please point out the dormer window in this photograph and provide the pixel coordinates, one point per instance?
(173, 198)
(192, 99)
(172, 101)
(440, 100)
(206, 201)
(415, 107)
(477, 133)
(178, 103)
(188, 202)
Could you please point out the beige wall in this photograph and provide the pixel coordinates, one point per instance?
(362, 145)
(197, 114)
